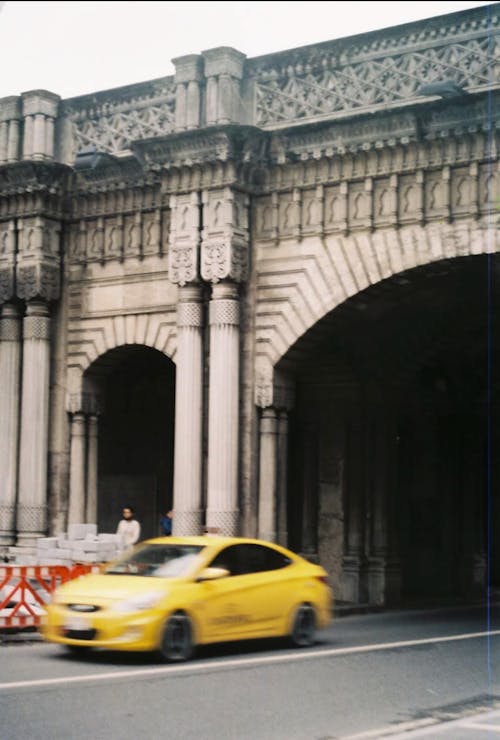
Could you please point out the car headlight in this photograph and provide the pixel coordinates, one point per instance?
(139, 603)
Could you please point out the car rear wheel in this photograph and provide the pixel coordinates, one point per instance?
(304, 626)
(177, 641)
(80, 651)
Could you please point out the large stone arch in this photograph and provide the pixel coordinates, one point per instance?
(298, 283)
(90, 339)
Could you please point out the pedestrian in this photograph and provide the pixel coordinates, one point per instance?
(166, 523)
(128, 527)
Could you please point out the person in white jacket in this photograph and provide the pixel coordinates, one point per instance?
(128, 527)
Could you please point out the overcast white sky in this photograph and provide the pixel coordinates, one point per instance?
(74, 48)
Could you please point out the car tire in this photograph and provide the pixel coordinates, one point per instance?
(79, 651)
(177, 639)
(303, 632)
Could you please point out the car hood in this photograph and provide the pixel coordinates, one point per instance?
(107, 588)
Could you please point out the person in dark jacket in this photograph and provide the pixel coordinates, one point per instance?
(166, 523)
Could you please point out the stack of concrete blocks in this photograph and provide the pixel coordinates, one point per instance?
(81, 544)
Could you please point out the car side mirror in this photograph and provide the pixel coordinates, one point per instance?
(211, 574)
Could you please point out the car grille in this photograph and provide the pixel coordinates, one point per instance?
(80, 634)
(83, 608)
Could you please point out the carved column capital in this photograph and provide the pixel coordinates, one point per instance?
(225, 236)
(185, 216)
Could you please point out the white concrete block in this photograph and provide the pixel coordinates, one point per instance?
(80, 531)
(46, 543)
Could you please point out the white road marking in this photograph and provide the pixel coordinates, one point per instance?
(199, 667)
(401, 727)
(481, 726)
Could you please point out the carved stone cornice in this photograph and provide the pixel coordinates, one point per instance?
(211, 145)
(362, 133)
(29, 177)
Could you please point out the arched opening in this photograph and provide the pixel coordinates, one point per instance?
(136, 387)
(394, 463)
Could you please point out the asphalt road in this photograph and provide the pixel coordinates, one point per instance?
(370, 676)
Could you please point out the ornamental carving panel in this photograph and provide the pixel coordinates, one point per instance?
(7, 260)
(111, 121)
(387, 68)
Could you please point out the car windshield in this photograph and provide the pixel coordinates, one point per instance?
(161, 561)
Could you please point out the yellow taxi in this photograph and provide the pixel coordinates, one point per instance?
(171, 594)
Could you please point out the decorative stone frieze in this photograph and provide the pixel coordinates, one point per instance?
(184, 238)
(112, 120)
(378, 69)
(225, 236)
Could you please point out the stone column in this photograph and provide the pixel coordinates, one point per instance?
(10, 114)
(188, 413)
(268, 474)
(10, 376)
(381, 462)
(92, 460)
(32, 507)
(223, 72)
(310, 491)
(188, 75)
(282, 484)
(223, 438)
(354, 524)
(76, 513)
(40, 109)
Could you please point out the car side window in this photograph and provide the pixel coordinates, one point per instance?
(227, 559)
(258, 558)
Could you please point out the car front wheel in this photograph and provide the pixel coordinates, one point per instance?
(177, 641)
(304, 626)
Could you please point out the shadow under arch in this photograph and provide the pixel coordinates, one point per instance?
(135, 387)
(394, 436)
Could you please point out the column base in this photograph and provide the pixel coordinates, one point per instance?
(472, 574)
(223, 523)
(376, 580)
(351, 580)
(393, 582)
(31, 524)
(186, 523)
(7, 530)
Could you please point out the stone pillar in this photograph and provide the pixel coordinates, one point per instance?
(310, 491)
(188, 75)
(223, 421)
(32, 507)
(76, 513)
(381, 460)
(268, 474)
(354, 524)
(188, 413)
(282, 484)
(10, 376)
(10, 116)
(224, 71)
(40, 109)
(92, 468)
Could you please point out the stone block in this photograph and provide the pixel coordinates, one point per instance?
(80, 531)
(108, 537)
(86, 557)
(46, 543)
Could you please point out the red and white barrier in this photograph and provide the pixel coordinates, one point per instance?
(25, 589)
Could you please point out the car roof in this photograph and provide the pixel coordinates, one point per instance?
(210, 540)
